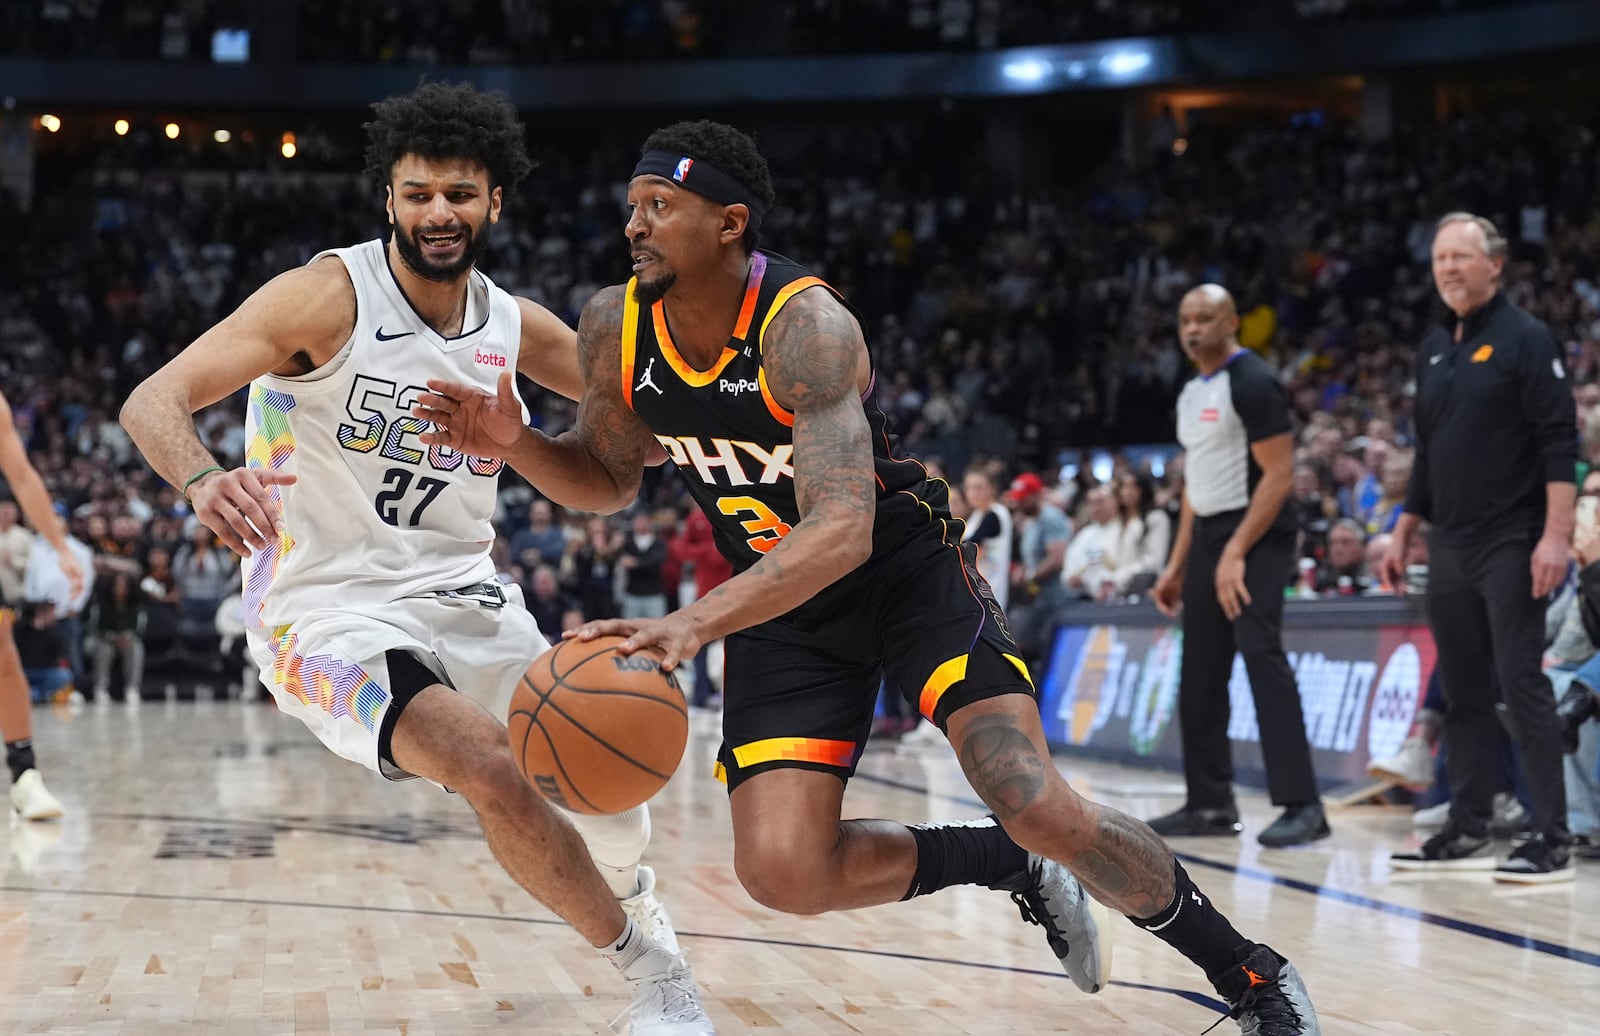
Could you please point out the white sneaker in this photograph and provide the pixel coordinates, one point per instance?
(647, 913)
(665, 1001)
(32, 800)
(922, 738)
(1412, 765)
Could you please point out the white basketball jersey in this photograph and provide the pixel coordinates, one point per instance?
(376, 515)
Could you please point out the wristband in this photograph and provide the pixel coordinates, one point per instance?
(197, 476)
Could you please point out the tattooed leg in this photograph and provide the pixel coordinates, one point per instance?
(1117, 858)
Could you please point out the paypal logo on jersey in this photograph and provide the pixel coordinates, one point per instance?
(737, 385)
(682, 171)
(484, 359)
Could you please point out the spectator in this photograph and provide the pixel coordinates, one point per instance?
(116, 631)
(43, 652)
(1390, 505)
(644, 592)
(45, 580)
(1230, 562)
(1145, 534)
(696, 545)
(542, 541)
(988, 529)
(1344, 570)
(15, 545)
(549, 604)
(160, 589)
(1042, 543)
(205, 574)
(1090, 567)
(1494, 470)
(594, 570)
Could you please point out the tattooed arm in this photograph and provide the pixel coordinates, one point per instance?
(816, 365)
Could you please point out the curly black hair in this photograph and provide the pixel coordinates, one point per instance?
(733, 151)
(448, 120)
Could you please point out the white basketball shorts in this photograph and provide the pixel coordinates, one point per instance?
(329, 671)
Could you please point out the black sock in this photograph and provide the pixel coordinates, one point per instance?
(978, 852)
(19, 756)
(1195, 928)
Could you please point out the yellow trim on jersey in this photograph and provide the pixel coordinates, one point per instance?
(1022, 667)
(779, 412)
(680, 366)
(630, 338)
(945, 677)
(787, 292)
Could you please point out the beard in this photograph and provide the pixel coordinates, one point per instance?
(648, 293)
(417, 261)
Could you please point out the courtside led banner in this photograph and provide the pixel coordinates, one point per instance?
(1112, 688)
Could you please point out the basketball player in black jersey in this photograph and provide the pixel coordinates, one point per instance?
(754, 376)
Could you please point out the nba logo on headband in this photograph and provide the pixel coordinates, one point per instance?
(683, 169)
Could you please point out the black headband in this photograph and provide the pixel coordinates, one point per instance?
(702, 178)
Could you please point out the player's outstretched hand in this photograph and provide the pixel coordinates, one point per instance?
(469, 420)
(673, 638)
(239, 507)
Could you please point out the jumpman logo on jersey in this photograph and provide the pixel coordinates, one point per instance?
(646, 379)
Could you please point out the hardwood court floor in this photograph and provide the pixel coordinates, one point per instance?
(219, 872)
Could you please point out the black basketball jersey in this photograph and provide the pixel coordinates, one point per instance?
(734, 443)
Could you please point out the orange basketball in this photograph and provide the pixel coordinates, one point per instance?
(595, 731)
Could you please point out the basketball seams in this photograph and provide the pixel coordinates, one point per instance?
(603, 743)
(599, 692)
(566, 779)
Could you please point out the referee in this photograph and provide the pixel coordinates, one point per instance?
(1230, 564)
(1495, 463)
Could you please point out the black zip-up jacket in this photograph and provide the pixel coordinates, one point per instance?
(1495, 423)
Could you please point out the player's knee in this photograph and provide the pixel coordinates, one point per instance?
(788, 882)
(491, 782)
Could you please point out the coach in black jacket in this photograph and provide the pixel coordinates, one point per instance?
(1495, 463)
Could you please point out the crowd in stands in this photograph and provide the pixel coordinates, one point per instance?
(462, 32)
(1011, 329)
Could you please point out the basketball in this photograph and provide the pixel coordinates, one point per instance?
(594, 731)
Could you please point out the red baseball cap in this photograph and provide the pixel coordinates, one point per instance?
(1025, 485)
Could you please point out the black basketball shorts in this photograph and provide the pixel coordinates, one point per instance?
(800, 690)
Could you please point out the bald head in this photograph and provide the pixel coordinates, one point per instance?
(1208, 326)
(1212, 295)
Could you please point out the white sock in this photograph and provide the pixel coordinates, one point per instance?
(616, 843)
(625, 948)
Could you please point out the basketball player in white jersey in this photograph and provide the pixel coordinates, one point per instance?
(369, 593)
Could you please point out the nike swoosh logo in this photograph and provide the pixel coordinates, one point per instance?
(389, 338)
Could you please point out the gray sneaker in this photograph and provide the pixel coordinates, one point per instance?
(1452, 849)
(1075, 925)
(1267, 997)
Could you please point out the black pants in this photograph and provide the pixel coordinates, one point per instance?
(1487, 623)
(1209, 643)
